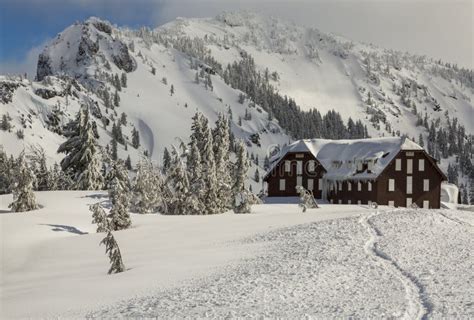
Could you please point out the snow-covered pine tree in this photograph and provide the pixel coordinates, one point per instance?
(211, 185)
(307, 200)
(243, 197)
(147, 188)
(81, 160)
(113, 250)
(23, 197)
(135, 138)
(179, 201)
(196, 182)
(222, 155)
(99, 217)
(119, 194)
(166, 160)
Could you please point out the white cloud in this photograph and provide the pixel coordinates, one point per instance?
(27, 64)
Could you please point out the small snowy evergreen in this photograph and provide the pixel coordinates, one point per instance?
(119, 194)
(113, 250)
(23, 197)
(307, 200)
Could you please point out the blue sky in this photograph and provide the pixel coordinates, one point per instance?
(438, 28)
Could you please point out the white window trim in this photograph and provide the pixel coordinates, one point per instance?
(349, 186)
(299, 181)
(409, 202)
(320, 184)
(391, 185)
(311, 166)
(359, 186)
(421, 165)
(349, 201)
(369, 186)
(282, 184)
(299, 167)
(287, 165)
(339, 186)
(310, 184)
(426, 184)
(426, 204)
(391, 203)
(409, 166)
(398, 164)
(409, 184)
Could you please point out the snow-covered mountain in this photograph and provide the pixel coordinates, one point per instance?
(192, 65)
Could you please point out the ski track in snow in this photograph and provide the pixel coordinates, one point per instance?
(418, 305)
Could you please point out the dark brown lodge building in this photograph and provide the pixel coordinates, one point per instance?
(389, 171)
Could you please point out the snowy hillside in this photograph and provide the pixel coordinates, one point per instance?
(182, 67)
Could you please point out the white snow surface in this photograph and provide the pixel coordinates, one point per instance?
(340, 157)
(339, 261)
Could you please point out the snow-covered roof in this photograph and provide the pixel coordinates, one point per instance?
(341, 157)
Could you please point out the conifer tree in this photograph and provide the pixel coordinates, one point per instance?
(166, 160)
(119, 194)
(99, 217)
(123, 80)
(113, 250)
(211, 200)
(82, 153)
(179, 202)
(243, 198)
(135, 138)
(23, 197)
(222, 154)
(147, 188)
(307, 200)
(196, 182)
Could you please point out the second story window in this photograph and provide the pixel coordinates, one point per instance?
(398, 164)
(409, 166)
(391, 184)
(287, 166)
(299, 167)
(421, 165)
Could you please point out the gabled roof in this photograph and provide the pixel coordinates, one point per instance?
(340, 157)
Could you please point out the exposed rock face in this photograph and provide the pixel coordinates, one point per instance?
(44, 66)
(103, 26)
(48, 93)
(123, 59)
(7, 88)
(87, 49)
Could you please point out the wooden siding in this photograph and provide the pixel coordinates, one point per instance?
(379, 192)
(399, 196)
(278, 172)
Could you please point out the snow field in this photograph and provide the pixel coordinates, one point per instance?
(51, 257)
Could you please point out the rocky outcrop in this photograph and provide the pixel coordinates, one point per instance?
(122, 58)
(44, 66)
(48, 93)
(7, 88)
(87, 49)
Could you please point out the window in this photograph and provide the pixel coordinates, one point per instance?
(311, 166)
(426, 204)
(349, 186)
(359, 202)
(426, 184)
(349, 201)
(310, 184)
(320, 184)
(282, 185)
(398, 165)
(299, 155)
(409, 166)
(421, 165)
(359, 186)
(391, 184)
(410, 154)
(409, 185)
(409, 202)
(299, 167)
(339, 201)
(369, 186)
(299, 181)
(339, 185)
(332, 201)
(370, 165)
(287, 166)
(391, 203)
(359, 165)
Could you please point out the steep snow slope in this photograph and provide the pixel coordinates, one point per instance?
(380, 87)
